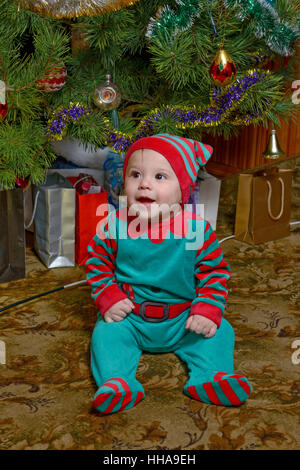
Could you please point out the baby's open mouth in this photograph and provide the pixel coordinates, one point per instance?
(145, 200)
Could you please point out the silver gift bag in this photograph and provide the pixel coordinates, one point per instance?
(12, 235)
(54, 222)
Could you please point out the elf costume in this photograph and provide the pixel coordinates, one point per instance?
(170, 271)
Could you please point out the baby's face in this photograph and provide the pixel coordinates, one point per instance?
(151, 185)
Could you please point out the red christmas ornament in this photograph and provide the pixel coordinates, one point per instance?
(54, 80)
(222, 70)
(23, 183)
(3, 111)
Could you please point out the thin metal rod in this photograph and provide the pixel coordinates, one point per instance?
(41, 295)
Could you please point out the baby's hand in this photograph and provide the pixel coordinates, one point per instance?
(118, 311)
(201, 325)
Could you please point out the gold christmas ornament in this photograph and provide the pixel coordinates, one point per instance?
(222, 70)
(273, 149)
(107, 95)
(74, 8)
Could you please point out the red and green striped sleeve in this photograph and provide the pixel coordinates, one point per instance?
(212, 274)
(100, 267)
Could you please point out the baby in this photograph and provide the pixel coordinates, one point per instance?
(154, 289)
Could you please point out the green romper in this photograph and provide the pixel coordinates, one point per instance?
(181, 264)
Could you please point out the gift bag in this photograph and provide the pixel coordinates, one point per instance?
(54, 222)
(28, 208)
(91, 208)
(263, 206)
(12, 235)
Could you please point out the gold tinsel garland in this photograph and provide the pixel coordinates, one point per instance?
(74, 8)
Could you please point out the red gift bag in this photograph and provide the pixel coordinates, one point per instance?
(91, 208)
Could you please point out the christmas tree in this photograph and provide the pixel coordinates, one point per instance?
(185, 67)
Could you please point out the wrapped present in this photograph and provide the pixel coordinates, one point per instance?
(113, 177)
(85, 184)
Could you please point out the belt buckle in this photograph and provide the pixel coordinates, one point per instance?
(142, 312)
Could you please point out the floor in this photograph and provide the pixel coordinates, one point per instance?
(46, 386)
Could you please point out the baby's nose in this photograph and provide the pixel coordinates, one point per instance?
(145, 183)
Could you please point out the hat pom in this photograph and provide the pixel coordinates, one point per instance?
(203, 152)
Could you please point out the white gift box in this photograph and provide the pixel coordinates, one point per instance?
(207, 193)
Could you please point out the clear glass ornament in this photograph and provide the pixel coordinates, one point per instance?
(107, 95)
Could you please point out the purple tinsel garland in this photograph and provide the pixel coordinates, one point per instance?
(57, 124)
(222, 103)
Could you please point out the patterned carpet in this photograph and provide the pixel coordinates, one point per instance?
(46, 386)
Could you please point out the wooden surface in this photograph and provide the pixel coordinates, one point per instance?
(245, 151)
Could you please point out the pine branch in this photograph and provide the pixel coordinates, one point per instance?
(168, 71)
(22, 153)
(38, 77)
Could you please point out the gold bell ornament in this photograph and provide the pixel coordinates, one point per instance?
(273, 149)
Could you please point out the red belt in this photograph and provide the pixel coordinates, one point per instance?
(158, 311)
(155, 312)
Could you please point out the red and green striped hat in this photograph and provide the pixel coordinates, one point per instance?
(185, 156)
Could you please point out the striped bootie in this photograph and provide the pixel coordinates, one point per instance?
(226, 390)
(115, 395)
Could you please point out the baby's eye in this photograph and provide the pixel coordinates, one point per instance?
(135, 174)
(159, 176)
